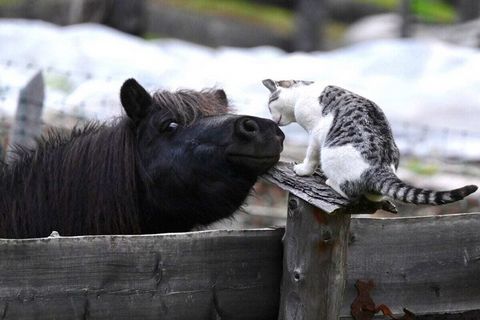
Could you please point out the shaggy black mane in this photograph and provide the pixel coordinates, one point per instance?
(59, 179)
(188, 105)
(85, 181)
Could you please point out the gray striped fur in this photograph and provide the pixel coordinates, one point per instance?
(384, 181)
(360, 122)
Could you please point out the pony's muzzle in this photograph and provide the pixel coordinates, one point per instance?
(247, 128)
(257, 143)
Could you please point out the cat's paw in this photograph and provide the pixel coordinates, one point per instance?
(303, 169)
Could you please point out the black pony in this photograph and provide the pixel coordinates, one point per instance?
(176, 161)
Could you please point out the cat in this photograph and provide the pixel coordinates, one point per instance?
(351, 139)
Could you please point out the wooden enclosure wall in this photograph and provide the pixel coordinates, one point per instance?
(199, 275)
(424, 264)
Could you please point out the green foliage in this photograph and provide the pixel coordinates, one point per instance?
(425, 169)
(275, 17)
(433, 10)
(7, 2)
(387, 4)
(151, 36)
(427, 10)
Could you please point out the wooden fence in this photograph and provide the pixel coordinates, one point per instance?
(429, 265)
(198, 275)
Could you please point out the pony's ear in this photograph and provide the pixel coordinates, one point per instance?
(221, 96)
(135, 100)
(270, 84)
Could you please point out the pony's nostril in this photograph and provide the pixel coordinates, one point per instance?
(247, 128)
(250, 125)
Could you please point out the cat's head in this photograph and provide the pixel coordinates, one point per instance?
(282, 98)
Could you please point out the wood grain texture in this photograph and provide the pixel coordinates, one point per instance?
(314, 264)
(201, 275)
(313, 190)
(425, 264)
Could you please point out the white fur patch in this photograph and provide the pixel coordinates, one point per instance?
(421, 198)
(321, 129)
(344, 163)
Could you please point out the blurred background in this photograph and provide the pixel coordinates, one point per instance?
(62, 62)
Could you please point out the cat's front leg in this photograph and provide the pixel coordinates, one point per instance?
(312, 158)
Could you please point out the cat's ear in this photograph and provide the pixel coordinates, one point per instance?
(135, 100)
(270, 84)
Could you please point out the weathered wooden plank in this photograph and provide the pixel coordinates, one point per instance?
(314, 264)
(27, 126)
(425, 264)
(313, 190)
(201, 275)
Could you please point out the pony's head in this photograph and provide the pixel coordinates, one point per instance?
(196, 162)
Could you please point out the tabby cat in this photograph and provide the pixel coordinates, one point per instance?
(350, 138)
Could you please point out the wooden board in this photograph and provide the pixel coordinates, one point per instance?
(313, 190)
(199, 275)
(425, 264)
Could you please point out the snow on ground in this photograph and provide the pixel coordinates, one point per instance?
(429, 90)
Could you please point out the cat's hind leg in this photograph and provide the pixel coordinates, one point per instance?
(344, 166)
(335, 187)
(312, 158)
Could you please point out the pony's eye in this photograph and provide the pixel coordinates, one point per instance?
(172, 126)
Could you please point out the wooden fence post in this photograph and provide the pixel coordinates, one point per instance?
(315, 244)
(468, 10)
(314, 262)
(406, 26)
(27, 125)
(310, 18)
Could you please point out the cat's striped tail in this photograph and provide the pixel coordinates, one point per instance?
(388, 184)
